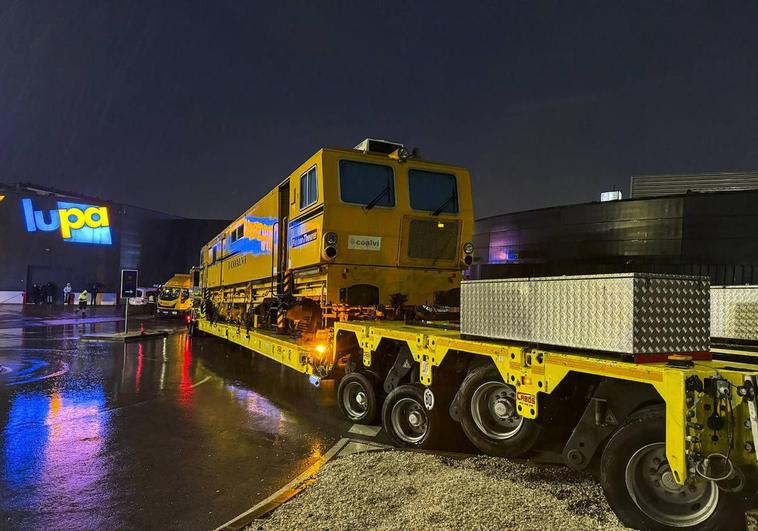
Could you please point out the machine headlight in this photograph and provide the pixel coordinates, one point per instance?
(468, 248)
(330, 238)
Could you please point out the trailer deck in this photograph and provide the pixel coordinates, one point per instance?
(706, 407)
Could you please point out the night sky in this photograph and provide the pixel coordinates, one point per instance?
(198, 108)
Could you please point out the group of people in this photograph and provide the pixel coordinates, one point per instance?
(43, 294)
(46, 294)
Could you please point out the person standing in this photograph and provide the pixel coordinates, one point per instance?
(67, 293)
(36, 294)
(93, 300)
(83, 303)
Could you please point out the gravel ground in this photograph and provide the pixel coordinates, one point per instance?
(415, 491)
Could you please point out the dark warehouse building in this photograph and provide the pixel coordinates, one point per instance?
(713, 233)
(50, 236)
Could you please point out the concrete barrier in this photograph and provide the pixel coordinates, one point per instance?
(11, 297)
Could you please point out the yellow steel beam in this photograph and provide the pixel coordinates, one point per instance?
(280, 349)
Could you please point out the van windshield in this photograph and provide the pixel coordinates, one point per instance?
(433, 191)
(170, 294)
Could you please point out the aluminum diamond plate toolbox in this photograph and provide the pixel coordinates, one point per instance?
(734, 312)
(631, 313)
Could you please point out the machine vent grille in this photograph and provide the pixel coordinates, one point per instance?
(433, 239)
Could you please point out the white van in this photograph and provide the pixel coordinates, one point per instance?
(144, 296)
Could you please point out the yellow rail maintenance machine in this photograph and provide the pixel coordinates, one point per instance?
(349, 270)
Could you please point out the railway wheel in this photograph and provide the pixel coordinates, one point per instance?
(357, 398)
(489, 418)
(407, 420)
(640, 486)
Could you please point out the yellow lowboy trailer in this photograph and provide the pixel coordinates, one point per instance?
(674, 442)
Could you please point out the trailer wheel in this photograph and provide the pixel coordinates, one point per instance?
(640, 487)
(407, 420)
(357, 398)
(489, 418)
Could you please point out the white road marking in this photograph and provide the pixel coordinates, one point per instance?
(286, 492)
(201, 381)
(32, 379)
(367, 431)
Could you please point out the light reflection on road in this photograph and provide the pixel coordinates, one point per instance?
(111, 436)
(53, 449)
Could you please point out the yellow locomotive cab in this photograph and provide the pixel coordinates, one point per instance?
(313, 246)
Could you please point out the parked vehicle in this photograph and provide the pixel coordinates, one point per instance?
(144, 296)
(174, 298)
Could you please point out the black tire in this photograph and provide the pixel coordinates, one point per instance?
(403, 402)
(510, 436)
(357, 398)
(632, 447)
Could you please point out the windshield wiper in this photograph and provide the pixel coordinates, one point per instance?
(371, 204)
(440, 208)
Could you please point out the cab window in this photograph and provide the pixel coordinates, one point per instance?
(308, 188)
(237, 233)
(367, 184)
(433, 191)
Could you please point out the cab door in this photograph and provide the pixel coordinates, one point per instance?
(282, 236)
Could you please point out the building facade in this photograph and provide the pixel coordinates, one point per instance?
(661, 185)
(50, 237)
(713, 234)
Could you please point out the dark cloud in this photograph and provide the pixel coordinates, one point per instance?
(198, 108)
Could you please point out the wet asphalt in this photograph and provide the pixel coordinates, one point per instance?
(174, 433)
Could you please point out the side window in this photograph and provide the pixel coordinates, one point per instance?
(237, 233)
(308, 188)
(367, 184)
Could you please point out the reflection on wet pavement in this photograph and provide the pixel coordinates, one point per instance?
(167, 433)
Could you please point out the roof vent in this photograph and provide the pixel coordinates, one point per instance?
(375, 145)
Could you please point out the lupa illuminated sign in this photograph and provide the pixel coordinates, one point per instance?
(77, 222)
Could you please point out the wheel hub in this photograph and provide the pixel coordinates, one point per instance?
(653, 488)
(668, 482)
(503, 408)
(355, 400)
(408, 420)
(493, 408)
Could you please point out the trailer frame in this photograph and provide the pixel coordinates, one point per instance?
(536, 371)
